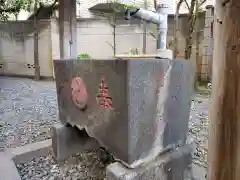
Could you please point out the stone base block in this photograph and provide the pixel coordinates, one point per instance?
(8, 170)
(23, 154)
(67, 141)
(174, 165)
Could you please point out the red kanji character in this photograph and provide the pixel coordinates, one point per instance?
(103, 98)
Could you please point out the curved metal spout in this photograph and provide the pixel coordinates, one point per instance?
(159, 18)
(143, 14)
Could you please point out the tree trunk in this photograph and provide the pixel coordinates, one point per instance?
(198, 33)
(114, 35)
(176, 29)
(224, 132)
(155, 4)
(36, 57)
(191, 24)
(197, 61)
(144, 32)
(16, 16)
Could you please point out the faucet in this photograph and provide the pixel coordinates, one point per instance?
(159, 18)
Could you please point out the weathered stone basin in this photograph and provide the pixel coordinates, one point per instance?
(133, 107)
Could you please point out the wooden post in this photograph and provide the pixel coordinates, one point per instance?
(36, 54)
(144, 48)
(224, 140)
(114, 25)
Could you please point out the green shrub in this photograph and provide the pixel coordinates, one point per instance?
(84, 56)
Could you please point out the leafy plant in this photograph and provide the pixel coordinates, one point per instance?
(84, 56)
(134, 51)
(170, 44)
(117, 7)
(13, 7)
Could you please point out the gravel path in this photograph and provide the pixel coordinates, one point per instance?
(27, 111)
(198, 129)
(84, 166)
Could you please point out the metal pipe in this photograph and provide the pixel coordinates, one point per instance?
(159, 18)
(139, 13)
(162, 27)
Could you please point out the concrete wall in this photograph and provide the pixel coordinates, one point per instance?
(183, 27)
(17, 50)
(94, 36)
(207, 60)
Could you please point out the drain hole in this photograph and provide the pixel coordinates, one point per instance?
(30, 66)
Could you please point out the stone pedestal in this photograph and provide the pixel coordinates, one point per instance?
(67, 141)
(135, 108)
(165, 53)
(172, 165)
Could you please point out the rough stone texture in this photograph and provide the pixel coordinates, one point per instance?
(67, 141)
(170, 166)
(8, 170)
(131, 130)
(25, 153)
(27, 111)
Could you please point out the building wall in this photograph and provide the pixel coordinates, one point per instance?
(207, 60)
(17, 48)
(94, 36)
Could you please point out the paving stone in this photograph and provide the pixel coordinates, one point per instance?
(23, 154)
(170, 166)
(8, 170)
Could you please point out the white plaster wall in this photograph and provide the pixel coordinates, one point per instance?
(95, 37)
(55, 39)
(12, 56)
(45, 52)
(17, 56)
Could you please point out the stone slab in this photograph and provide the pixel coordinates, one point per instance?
(67, 141)
(23, 154)
(8, 170)
(173, 165)
(199, 173)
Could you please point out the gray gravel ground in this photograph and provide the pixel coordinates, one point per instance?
(84, 166)
(198, 129)
(28, 109)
